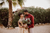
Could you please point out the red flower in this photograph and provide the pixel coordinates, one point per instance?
(28, 20)
(25, 18)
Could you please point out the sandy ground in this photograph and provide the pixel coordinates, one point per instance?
(37, 29)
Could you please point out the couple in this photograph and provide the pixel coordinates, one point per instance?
(23, 27)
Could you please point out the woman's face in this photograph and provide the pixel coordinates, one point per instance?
(21, 15)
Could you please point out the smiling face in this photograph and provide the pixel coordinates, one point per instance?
(21, 15)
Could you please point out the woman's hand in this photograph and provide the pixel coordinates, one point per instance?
(20, 26)
(26, 27)
(23, 27)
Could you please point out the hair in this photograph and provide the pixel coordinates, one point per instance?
(25, 11)
(20, 14)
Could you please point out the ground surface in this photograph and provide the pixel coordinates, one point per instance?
(37, 29)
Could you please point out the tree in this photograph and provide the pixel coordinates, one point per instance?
(1, 3)
(15, 2)
(10, 13)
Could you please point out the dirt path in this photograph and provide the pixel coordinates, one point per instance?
(37, 29)
(42, 29)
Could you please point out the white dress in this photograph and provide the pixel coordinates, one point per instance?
(22, 30)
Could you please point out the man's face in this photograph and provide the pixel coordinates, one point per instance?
(25, 13)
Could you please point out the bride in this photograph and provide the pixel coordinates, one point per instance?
(22, 26)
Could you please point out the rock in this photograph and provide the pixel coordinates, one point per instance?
(2, 27)
(47, 23)
(39, 23)
(16, 27)
(43, 24)
(10, 28)
(36, 24)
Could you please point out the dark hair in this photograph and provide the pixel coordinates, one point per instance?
(25, 11)
(20, 14)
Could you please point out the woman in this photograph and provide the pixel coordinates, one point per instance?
(21, 25)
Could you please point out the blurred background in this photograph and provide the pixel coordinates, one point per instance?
(9, 10)
(28, 3)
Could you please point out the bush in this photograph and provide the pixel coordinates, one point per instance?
(40, 15)
(4, 16)
(15, 20)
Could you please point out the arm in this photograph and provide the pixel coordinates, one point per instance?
(32, 22)
(19, 25)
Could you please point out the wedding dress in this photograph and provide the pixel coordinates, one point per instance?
(22, 30)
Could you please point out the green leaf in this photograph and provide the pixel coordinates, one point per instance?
(21, 2)
(14, 4)
(13, 0)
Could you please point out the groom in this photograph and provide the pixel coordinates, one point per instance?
(31, 26)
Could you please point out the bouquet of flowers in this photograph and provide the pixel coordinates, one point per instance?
(26, 21)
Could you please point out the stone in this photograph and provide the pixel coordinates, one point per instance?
(47, 23)
(36, 24)
(10, 28)
(16, 27)
(39, 23)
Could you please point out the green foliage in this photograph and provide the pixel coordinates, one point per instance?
(21, 2)
(4, 16)
(1, 3)
(15, 2)
(40, 15)
(15, 20)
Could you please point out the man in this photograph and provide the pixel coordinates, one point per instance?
(31, 26)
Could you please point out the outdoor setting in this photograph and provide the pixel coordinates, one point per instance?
(24, 16)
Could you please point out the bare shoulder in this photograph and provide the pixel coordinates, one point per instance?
(19, 20)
